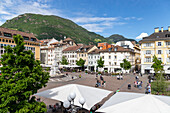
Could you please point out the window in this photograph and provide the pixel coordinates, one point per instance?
(33, 39)
(159, 52)
(0, 39)
(148, 44)
(109, 57)
(1, 45)
(110, 63)
(148, 51)
(167, 43)
(115, 49)
(160, 59)
(0, 33)
(12, 41)
(1, 51)
(147, 59)
(115, 57)
(3, 40)
(115, 63)
(9, 41)
(6, 40)
(159, 44)
(7, 34)
(82, 55)
(26, 38)
(102, 57)
(167, 35)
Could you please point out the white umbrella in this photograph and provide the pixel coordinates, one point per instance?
(92, 95)
(124, 102)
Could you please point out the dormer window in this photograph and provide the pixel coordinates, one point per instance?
(7, 34)
(167, 35)
(33, 39)
(26, 38)
(115, 49)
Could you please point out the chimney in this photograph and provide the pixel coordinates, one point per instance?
(157, 30)
(162, 29)
(169, 28)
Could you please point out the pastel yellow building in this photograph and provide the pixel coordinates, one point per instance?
(31, 42)
(157, 44)
(83, 53)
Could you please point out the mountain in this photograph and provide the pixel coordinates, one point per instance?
(45, 26)
(116, 37)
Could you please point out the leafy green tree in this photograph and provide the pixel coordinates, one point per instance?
(159, 85)
(64, 61)
(100, 63)
(21, 77)
(80, 63)
(125, 65)
(157, 65)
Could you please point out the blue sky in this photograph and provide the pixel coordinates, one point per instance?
(129, 18)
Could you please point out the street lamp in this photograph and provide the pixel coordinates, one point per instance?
(69, 99)
(66, 104)
(72, 96)
(82, 101)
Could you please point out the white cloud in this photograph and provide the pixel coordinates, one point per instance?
(142, 35)
(132, 18)
(93, 19)
(100, 27)
(12, 8)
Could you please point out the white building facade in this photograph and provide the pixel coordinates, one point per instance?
(93, 56)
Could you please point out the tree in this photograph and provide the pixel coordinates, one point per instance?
(159, 85)
(157, 65)
(80, 62)
(100, 63)
(21, 77)
(125, 65)
(64, 61)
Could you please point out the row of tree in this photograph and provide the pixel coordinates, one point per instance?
(100, 63)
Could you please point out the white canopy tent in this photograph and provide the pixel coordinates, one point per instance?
(68, 66)
(124, 102)
(92, 95)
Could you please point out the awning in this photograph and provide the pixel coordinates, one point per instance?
(92, 95)
(124, 102)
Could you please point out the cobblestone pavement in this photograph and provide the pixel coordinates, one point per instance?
(112, 83)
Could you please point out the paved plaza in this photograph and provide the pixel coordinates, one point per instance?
(112, 83)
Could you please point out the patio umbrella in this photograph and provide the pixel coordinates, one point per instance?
(92, 95)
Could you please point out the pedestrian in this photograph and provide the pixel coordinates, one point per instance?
(118, 90)
(129, 86)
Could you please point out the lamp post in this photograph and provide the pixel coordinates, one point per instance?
(66, 104)
(72, 96)
(82, 101)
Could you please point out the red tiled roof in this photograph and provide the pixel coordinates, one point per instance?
(72, 48)
(68, 39)
(17, 32)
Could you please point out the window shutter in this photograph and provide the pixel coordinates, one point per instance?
(156, 43)
(161, 51)
(156, 51)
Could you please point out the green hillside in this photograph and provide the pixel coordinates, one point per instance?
(116, 37)
(44, 26)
